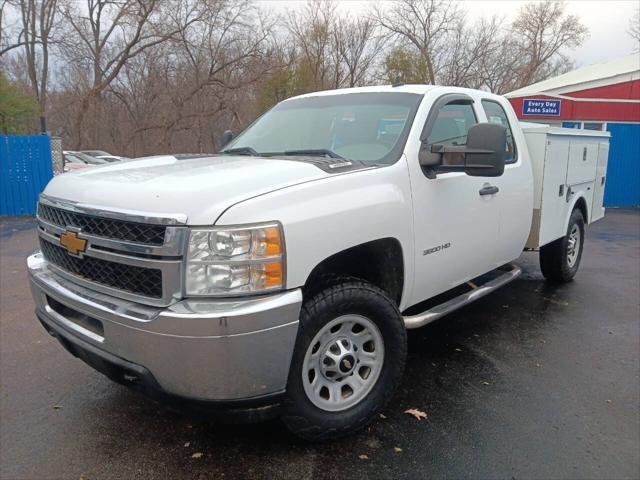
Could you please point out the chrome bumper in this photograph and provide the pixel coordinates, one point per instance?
(203, 350)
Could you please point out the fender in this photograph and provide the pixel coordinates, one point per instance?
(327, 216)
(576, 198)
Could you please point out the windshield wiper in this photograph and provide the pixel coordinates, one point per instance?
(314, 152)
(243, 151)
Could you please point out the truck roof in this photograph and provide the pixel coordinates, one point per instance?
(409, 88)
(419, 89)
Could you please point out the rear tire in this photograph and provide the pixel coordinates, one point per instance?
(560, 260)
(347, 362)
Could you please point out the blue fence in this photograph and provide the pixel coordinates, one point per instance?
(25, 169)
(623, 170)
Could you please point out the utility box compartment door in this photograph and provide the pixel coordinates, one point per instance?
(583, 159)
(597, 208)
(554, 191)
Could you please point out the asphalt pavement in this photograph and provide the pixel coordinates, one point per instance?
(533, 381)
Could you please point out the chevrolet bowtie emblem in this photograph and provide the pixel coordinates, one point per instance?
(72, 243)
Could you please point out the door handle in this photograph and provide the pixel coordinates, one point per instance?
(489, 190)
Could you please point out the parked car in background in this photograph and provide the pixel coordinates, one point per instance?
(76, 160)
(104, 155)
(72, 162)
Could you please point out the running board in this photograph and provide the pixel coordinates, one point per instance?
(434, 313)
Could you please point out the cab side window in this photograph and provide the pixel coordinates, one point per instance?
(496, 114)
(450, 128)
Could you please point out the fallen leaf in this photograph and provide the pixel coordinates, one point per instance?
(383, 416)
(197, 455)
(363, 457)
(57, 407)
(187, 444)
(418, 414)
(397, 449)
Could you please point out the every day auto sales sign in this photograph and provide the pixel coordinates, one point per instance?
(532, 106)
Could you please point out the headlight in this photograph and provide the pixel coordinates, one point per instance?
(233, 261)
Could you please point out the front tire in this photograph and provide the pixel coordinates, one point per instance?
(560, 259)
(347, 362)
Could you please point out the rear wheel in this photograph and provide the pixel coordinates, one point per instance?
(348, 360)
(560, 260)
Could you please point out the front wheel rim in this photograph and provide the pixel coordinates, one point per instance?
(573, 245)
(343, 362)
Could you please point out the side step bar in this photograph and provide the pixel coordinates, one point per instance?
(415, 321)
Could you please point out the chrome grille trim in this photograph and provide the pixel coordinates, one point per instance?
(144, 233)
(168, 257)
(117, 214)
(174, 241)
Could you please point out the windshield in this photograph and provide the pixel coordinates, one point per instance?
(96, 153)
(370, 127)
(89, 159)
(70, 158)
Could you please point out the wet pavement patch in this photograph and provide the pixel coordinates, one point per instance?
(533, 381)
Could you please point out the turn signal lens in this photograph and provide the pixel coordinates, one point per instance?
(272, 275)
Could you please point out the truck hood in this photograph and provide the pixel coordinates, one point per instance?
(200, 187)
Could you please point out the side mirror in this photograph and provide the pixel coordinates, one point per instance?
(227, 136)
(482, 156)
(487, 144)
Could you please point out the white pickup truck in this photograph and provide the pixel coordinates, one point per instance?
(280, 275)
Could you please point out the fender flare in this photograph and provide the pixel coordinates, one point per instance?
(579, 196)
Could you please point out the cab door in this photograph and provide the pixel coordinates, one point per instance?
(456, 218)
(515, 197)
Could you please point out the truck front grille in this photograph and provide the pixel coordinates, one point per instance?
(104, 227)
(146, 282)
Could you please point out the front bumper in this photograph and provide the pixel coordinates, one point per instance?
(227, 350)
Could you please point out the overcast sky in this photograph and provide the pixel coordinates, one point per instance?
(607, 21)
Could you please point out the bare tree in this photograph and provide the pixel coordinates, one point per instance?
(424, 24)
(634, 29)
(358, 44)
(4, 46)
(37, 21)
(222, 54)
(105, 38)
(499, 70)
(149, 76)
(312, 31)
(542, 31)
(29, 40)
(471, 49)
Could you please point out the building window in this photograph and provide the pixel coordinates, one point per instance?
(593, 126)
